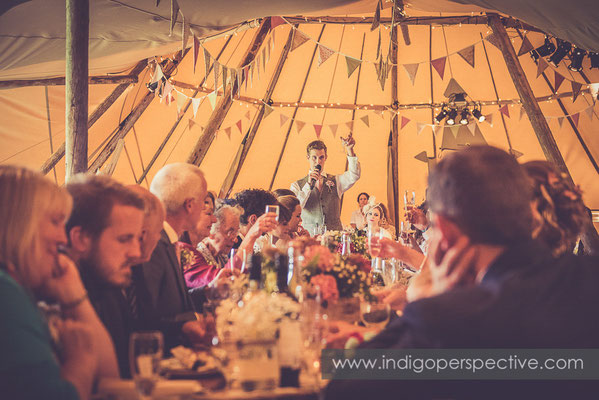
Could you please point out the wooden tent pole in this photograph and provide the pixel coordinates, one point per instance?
(224, 105)
(430, 70)
(126, 125)
(76, 91)
(246, 143)
(394, 131)
(92, 80)
(98, 112)
(539, 124)
(509, 142)
(272, 181)
(180, 117)
(568, 117)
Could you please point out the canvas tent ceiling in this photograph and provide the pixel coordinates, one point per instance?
(29, 116)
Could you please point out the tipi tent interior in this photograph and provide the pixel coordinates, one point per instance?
(249, 92)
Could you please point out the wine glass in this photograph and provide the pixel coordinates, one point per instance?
(389, 272)
(375, 315)
(145, 352)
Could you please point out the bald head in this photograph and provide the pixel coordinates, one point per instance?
(154, 215)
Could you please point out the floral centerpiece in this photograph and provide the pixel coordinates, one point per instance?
(358, 241)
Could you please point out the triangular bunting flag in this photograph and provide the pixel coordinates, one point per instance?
(379, 113)
(246, 74)
(560, 121)
(238, 124)
(404, 122)
(542, 66)
(378, 47)
(284, 119)
(575, 90)
(439, 65)
(317, 129)
(420, 127)
(448, 142)
(324, 53)
(575, 118)
(468, 55)
(505, 110)
(232, 79)
(464, 137)
(471, 127)
(454, 130)
(206, 64)
(216, 68)
(300, 125)
(334, 129)
(190, 123)
(264, 59)
(195, 104)
(247, 114)
(365, 120)
(558, 80)
(212, 98)
(276, 21)
(522, 113)
(453, 87)
(239, 74)
(180, 101)
(228, 132)
(548, 119)
(526, 46)
(225, 73)
(411, 70)
(251, 68)
(494, 40)
(437, 129)
(517, 154)
(168, 88)
(489, 119)
(158, 75)
(196, 51)
(422, 156)
(184, 35)
(267, 110)
(299, 38)
(590, 112)
(382, 74)
(376, 21)
(352, 64)
(350, 125)
(174, 14)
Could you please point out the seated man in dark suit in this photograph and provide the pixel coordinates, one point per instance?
(104, 231)
(164, 302)
(502, 290)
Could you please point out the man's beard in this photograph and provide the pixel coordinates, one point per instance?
(90, 268)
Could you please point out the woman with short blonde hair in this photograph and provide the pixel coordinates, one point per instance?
(33, 211)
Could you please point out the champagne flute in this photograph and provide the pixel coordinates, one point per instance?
(145, 352)
(273, 209)
(375, 315)
(345, 245)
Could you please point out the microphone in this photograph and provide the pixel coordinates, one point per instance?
(318, 168)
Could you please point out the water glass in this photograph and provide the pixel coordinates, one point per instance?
(273, 209)
(375, 315)
(145, 352)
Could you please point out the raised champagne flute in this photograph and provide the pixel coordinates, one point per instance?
(273, 209)
(145, 352)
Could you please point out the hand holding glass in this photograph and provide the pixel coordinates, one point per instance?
(375, 315)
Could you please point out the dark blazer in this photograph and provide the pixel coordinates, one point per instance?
(527, 300)
(164, 303)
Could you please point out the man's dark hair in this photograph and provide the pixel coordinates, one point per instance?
(485, 192)
(363, 193)
(316, 145)
(283, 192)
(94, 196)
(254, 202)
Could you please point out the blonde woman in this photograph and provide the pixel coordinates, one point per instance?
(377, 219)
(33, 212)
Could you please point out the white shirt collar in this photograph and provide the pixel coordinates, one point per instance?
(170, 232)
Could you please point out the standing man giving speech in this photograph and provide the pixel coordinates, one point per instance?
(319, 193)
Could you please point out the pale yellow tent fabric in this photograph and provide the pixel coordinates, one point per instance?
(25, 129)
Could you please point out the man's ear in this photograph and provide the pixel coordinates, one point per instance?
(188, 204)
(81, 242)
(450, 232)
(252, 219)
